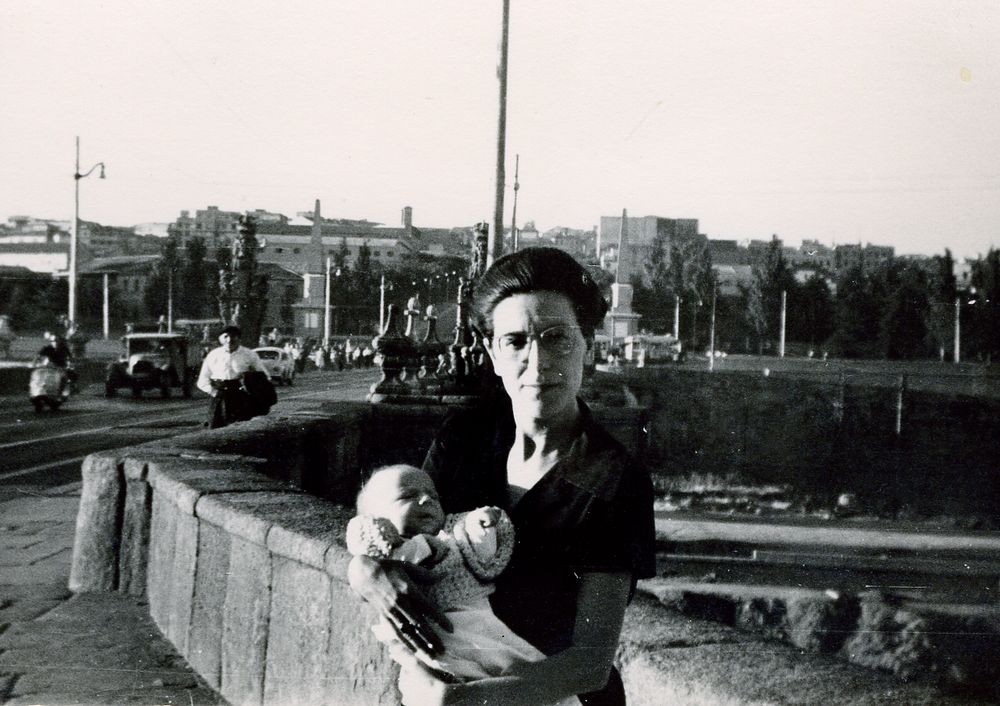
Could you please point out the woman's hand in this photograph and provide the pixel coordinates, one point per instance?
(390, 587)
(420, 687)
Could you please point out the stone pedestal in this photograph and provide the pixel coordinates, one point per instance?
(621, 321)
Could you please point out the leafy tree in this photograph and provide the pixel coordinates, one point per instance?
(771, 277)
(942, 291)
(90, 298)
(676, 268)
(155, 298)
(811, 313)
(340, 273)
(984, 322)
(663, 286)
(699, 282)
(195, 276)
(33, 301)
(857, 315)
(366, 276)
(902, 290)
(223, 257)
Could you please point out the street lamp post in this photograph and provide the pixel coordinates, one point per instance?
(326, 306)
(495, 248)
(75, 235)
(784, 314)
(513, 216)
(170, 299)
(958, 330)
(711, 330)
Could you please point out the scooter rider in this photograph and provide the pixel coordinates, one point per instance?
(56, 352)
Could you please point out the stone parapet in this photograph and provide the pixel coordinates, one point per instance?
(244, 572)
(233, 538)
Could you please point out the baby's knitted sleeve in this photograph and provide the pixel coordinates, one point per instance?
(371, 536)
(485, 569)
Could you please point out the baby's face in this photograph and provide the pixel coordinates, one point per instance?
(408, 499)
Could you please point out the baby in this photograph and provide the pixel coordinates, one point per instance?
(400, 517)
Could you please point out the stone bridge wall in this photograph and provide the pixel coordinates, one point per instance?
(243, 569)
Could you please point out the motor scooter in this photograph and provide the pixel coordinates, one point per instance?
(49, 386)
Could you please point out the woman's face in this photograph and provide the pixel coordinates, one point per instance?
(538, 352)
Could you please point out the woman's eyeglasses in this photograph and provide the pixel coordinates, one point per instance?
(555, 340)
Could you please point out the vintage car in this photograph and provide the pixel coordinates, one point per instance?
(279, 364)
(152, 361)
(643, 349)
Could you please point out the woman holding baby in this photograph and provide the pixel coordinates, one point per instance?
(580, 506)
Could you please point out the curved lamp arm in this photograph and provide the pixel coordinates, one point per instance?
(79, 176)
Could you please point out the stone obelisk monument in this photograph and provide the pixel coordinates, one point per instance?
(621, 321)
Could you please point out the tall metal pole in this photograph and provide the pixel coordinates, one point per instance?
(170, 299)
(677, 317)
(711, 331)
(781, 335)
(381, 305)
(958, 329)
(513, 214)
(495, 242)
(106, 309)
(74, 235)
(326, 307)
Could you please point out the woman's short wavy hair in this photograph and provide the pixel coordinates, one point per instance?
(539, 270)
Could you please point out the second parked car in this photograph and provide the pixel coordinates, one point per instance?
(279, 364)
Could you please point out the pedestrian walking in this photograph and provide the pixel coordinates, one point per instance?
(220, 378)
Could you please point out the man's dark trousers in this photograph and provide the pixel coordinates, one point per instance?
(231, 404)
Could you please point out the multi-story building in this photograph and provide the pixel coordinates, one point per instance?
(581, 244)
(212, 225)
(47, 257)
(850, 255)
(292, 246)
(106, 241)
(812, 253)
(25, 229)
(127, 277)
(728, 253)
(641, 233)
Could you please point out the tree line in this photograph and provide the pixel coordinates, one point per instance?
(355, 286)
(895, 308)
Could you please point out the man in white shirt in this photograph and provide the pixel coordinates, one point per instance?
(220, 378)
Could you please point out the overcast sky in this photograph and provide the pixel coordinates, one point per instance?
(845, 121)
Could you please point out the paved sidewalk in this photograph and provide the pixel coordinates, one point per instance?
(56, 648)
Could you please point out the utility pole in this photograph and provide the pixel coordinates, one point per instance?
(170, 298)
(781, 334)
(106, 307)
(74, 236)
(326, 307)
(513, 215)
(381, 305)
(495, 247)
(958, 329)
(711, 330)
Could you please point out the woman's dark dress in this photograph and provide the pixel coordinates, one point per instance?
(593, 511)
